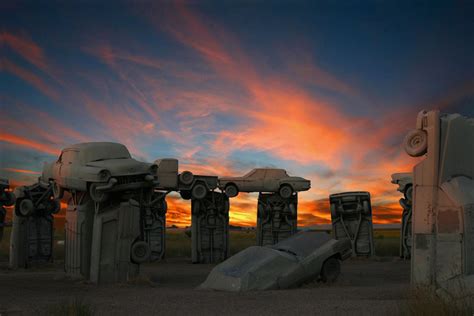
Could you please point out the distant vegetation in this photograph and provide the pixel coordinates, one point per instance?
(178, 243)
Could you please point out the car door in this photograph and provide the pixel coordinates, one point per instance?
(255, 181)
(271, 182)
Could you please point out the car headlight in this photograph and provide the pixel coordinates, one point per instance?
(104, 175)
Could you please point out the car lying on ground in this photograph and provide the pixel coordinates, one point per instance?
(188, 184)
(301, 258)
(98, 168)
(264, 180)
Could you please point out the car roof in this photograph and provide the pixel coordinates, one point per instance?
(81, 146)
(277, 169)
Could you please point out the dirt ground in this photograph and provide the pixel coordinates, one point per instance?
(365, 287)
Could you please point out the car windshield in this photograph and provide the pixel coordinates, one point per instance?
(105, 152)
(248, 174)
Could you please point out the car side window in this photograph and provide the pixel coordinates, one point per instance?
(68, 157)
(259, 174)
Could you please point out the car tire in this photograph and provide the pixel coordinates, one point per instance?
(185, 194)
(199, 191)
(140, 252)
(330, 270)
(186, 177)
(9, 199)
(285, 191)
(96, 195)
(231, 190)
(53, 206)
(26, 208)
(416, 143)
(58, 191)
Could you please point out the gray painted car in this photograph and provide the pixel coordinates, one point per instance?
(97, 168)
(304, 257)
(264, 180)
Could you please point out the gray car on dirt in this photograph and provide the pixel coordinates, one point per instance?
(264, 180)
(303, 257)
(98, 168)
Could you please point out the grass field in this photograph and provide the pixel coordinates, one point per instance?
(178, 243)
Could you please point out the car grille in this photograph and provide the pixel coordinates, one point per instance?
(130, 179)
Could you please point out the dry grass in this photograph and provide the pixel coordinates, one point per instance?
(423, 301)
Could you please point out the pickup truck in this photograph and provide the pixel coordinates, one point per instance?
(188, 184)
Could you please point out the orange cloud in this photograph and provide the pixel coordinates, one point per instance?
(27, 143)
(21, 171)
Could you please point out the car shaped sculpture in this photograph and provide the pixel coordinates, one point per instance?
(188, 184)
(303, 257)
(98, 168)
(264, 180)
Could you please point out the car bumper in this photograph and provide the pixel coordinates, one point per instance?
(114, 185)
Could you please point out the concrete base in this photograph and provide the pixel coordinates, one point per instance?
(210, 228)
(153, 225)
(276, 218)
(31, 240)
(116, 228)
(78, 237)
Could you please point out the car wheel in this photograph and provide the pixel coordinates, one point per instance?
(231, 190)
(330, 270)
(416, 143)
(53, 206)
(9, 199)
(186, 177)
(199, 191)
(58, 191)
(185, 194)
(96, 195)
(285, 191)
(26, 208)
(140, 252)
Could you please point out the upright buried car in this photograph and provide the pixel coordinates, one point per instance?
(264, 180)
(99, 168)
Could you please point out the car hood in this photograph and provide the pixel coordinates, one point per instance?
(121, 166)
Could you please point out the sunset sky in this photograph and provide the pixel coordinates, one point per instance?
(326, 91)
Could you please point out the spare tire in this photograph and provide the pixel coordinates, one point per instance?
(186, 177)
(199, 191)
(140, 252)
(416, 143)
(285, 191)
(26, 208)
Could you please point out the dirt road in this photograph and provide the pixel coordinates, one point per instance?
(365, 287)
